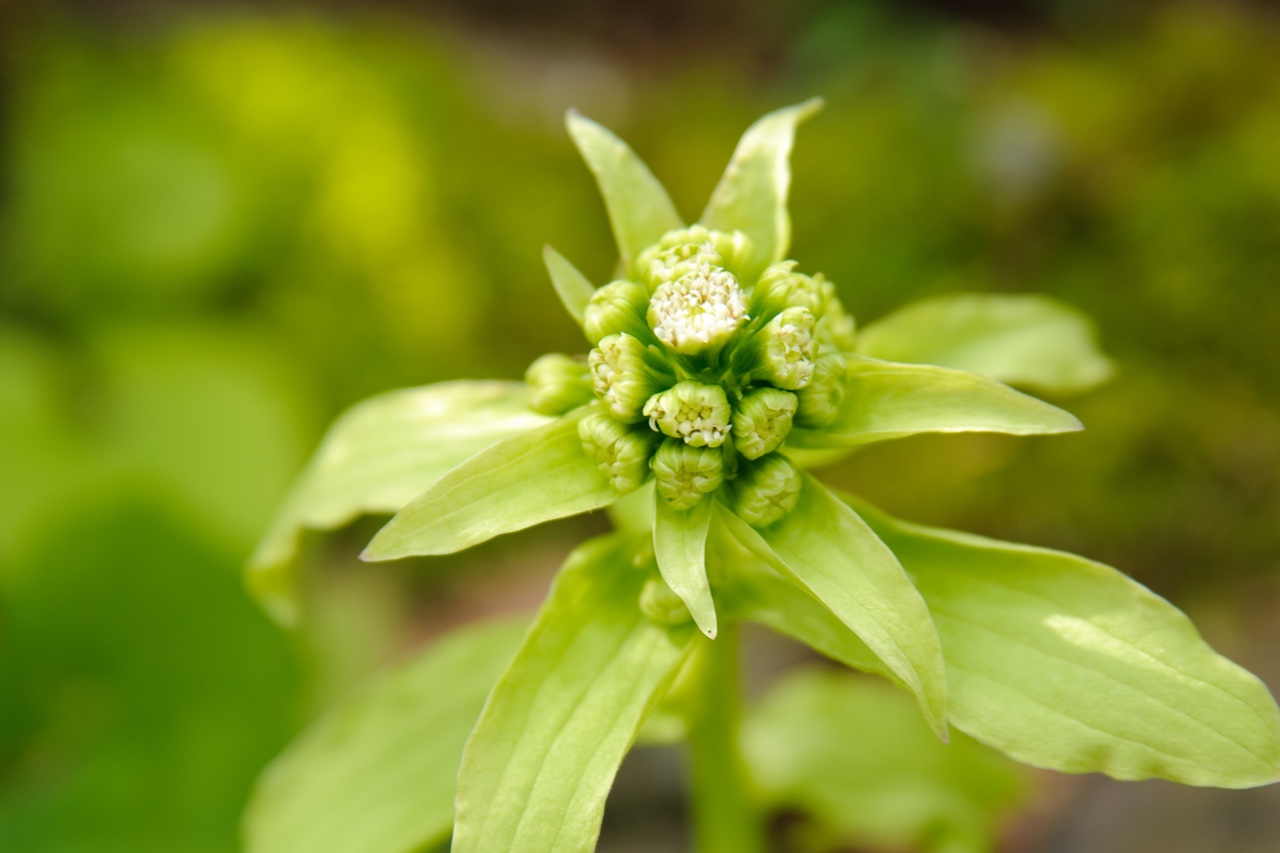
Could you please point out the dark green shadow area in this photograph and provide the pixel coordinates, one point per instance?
(140, 691)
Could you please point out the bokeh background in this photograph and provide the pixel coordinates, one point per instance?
(220, 224)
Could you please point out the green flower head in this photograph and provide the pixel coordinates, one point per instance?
(717, 369)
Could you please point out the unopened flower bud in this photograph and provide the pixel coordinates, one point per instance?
(625, 375)
(675, 253)
(617, 307)
(820, 399)
(785, 349)
(622, 452)
(765, 490)
(685, 474)
(698, 312)
(558, 383)
(762, 421)
(696, 413)
(780, 288)
(659, 603)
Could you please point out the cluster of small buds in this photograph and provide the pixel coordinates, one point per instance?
(697, 376)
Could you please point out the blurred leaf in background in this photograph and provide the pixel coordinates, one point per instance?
(847, 752)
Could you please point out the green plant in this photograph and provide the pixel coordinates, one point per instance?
(718, 374)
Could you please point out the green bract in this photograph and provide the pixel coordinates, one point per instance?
(715, 369)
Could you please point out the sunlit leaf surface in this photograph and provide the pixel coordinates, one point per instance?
(639, 208)
(752, 195)
(536, 476)
(378, 457)
(1021, 339)
(543, 756)
(885, 400)
(1065, 663)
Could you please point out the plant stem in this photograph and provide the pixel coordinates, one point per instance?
(724, 817)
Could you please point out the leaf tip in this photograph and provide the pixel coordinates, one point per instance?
(811, 107)
(376, 551)
(578, 125)
(1070, 423)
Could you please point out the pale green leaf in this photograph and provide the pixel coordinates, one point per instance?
(571, 286)
(680, 547)
(852, 754)
(1065, 663)
(376, 774)
(640, 210)
(830, 552)
(752, 195)
(1021, 339)
(754, 592)
(376, 458)
(540, 763)
(885, 400)
(537, 476)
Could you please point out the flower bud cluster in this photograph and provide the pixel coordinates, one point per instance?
(699, 376)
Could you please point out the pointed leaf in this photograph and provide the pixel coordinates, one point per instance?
(376, 458)
(537, 476)
(376, 774)
(1024, 340)
(640, 210)
(754, 592)
(850, 753)
(752, 195)
(831, 553)
(571, 286)
(1066, 663)
(885, 400)
(680, 546)
(540, 763)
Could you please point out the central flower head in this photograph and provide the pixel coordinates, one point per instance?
(699, 311)
(700, 374)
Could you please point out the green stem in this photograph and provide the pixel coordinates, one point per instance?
(724, 816)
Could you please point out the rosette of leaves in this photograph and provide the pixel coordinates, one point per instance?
(717, 371)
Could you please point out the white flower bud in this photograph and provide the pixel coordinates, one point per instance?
(762, 420)
(685, 474)
(785, 350)
(765, 490)
(617, 307)
(699, 311)
(558, 383)
(696, 413)
(621, 452)
(624, 375)
(820, 399)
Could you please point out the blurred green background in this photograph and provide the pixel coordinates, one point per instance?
(220, 225)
